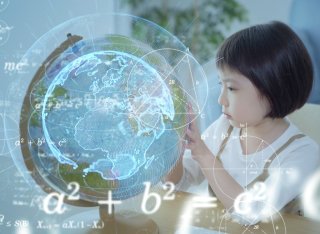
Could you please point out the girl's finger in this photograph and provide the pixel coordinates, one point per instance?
(191, 116)
(190, 135)
(193, 126)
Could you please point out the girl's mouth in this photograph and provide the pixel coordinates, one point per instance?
(227, 116)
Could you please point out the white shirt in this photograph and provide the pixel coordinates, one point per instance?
(288, 172)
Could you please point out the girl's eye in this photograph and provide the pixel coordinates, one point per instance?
(229, 88)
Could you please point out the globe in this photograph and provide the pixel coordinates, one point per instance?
(110, 118)
(102, 102)
(106, 108)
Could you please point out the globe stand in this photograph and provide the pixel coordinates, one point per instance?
(124, 222)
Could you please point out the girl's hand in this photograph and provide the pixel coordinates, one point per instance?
(199, 150)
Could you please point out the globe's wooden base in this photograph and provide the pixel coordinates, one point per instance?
(125, 222)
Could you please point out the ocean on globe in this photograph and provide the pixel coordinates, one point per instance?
(110, 115)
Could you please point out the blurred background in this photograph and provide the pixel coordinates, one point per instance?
(200, 24)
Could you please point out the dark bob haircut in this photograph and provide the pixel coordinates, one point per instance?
(275, 60)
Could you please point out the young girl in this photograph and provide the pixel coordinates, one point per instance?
(255, 160)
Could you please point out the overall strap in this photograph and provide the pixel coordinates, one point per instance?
(294, 206)
(263, 176)
(221, 148)
(224, 142)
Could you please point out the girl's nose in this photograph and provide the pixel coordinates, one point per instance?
(222, 100)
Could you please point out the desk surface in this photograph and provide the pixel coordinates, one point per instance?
(173, 214)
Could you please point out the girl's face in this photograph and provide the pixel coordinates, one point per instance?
(241, 101)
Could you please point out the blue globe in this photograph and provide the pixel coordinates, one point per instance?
(111, 118)
(107, 108)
